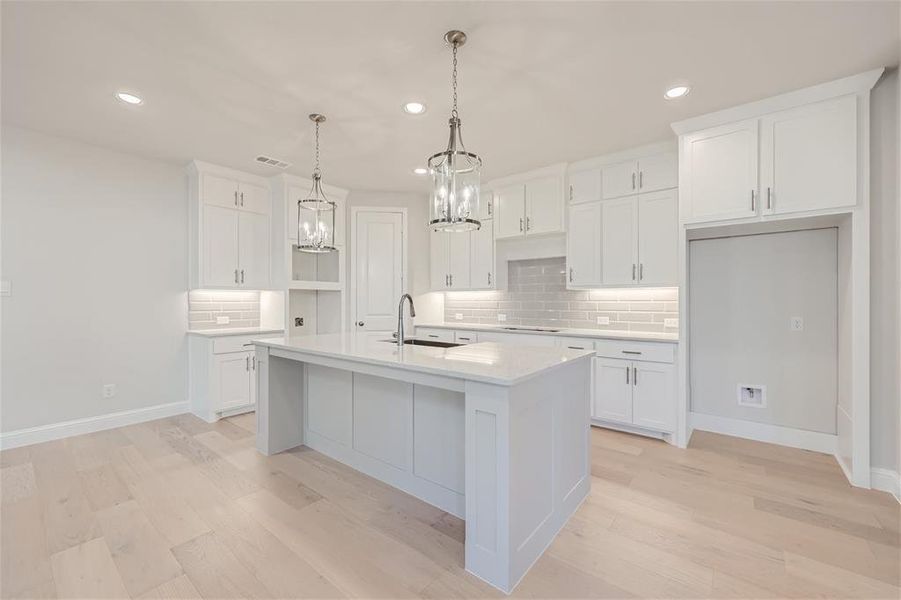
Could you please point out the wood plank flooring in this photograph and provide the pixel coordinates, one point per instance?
(178, 508)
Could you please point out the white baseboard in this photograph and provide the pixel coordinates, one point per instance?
(886, 480)
(56, 431)
(816, 441)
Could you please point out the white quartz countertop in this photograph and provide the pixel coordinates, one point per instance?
(487, 362)
(601, 334)
(236, 331)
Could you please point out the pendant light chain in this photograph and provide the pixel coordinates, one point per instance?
(454, 111)
(316, 170)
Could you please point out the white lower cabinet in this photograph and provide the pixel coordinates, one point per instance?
(439, 335)
(222, 375)
(613, 390)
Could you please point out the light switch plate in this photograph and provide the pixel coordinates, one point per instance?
(603, 320)
(670, 322)
(222, 320)
(501, 317)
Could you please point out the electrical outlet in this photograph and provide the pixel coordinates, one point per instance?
(109, 390)
(797, 324)
(670, 322)
(222, 320)
(603, 320)
(501, 317)
(458, 316)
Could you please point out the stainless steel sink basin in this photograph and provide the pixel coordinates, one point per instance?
(432, 343)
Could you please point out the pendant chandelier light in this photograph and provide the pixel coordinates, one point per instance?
(316, 213)
(455, 172)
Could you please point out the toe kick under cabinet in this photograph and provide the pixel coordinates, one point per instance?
(222, 376)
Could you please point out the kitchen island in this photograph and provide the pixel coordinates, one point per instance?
(496, 434)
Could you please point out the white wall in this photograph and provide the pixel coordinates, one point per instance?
(429, 305)
(94, 243)
(885, 297)
(745, 291)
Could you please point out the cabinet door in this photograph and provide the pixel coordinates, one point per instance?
(809, 157)
(544, 206)
(720, 173)
(585, 186)
(583, 245)
(253, 197)
(510, 209)
(441, 335)
(486, 204)
(619, 241)
(295, 193)
(220, 246)
(218, 191)
(458, 259)
(613, 390)
(658, 172)
(620, 179)
(438, 267)
(253, 243)
(481, 272)
(232, 372)
(658, 229)
(653, 401)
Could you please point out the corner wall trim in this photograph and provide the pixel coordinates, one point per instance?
(56, 431)
(763, 432)
(886, 480)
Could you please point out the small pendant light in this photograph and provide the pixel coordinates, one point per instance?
(455, 172)
(316, 213)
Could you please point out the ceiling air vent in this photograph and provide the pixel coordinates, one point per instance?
(273, 162)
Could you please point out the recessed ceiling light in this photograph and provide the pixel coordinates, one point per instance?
(677, 91)
(420, 171)
(129, 98)
(414, 108)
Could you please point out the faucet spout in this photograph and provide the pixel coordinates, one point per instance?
(400, 318)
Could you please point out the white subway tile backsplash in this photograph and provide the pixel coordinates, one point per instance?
(536, 295)
(241, 307)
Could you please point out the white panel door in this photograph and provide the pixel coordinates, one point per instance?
(481, 260)
(583, 245)
(619, 241)
(809, 157)
(544, 206)
(620, 179)
(219, 191)
(439, 246)
(378, 254)
(233, 380)
(220, 246)
(658, 172)
(458, 259)
(653, 401)
(510, 211)
(613, 390)
(585, 186)
(658, 229)
(721, 173)
(253, 245)
(254, 198)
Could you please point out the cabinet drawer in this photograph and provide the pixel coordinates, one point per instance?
(232, 343)
(574, 343)
(649, 351)
(466, 337)
(442, 335)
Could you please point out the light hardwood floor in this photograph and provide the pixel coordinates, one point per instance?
(178, 508)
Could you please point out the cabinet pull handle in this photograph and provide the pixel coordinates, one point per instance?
(431, 335)
(640, 271)
(633, 271)
(528, 223)
(236, 275)
(242, 275)
(633, 180)
(451, 279)
(247, 345)
(465, 339)
(236, 197)
(570, 274)
(246, 363)
(769, 199)
(489, 208)
(634, 376)
(570, 192)
(575, 347)
(253, 363)
(752, 201)
(489, 278)
(242, 198)
(631, 352)
(520, 223)
(640, 179)
(627, 375)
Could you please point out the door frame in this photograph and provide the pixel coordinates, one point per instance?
(352, 242)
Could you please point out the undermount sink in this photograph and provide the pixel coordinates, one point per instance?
(434, 344)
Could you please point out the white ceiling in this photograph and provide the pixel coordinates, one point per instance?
(540, 82)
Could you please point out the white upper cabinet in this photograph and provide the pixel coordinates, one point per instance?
(583, 245)
(808, 157)
(481, 274)
(458, 259)
(720, 173)
(230, 218)
(510, 209)
(619, 248)
(585, 186)
(658, 172)
(658, 233)
(439, 246)
(486, 204)
(544, 205)
(462, 260)
(620, 179)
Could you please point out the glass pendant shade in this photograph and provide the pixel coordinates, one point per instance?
(316, 221)
(455, 186)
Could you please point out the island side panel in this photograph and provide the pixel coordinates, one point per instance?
(280, 391)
